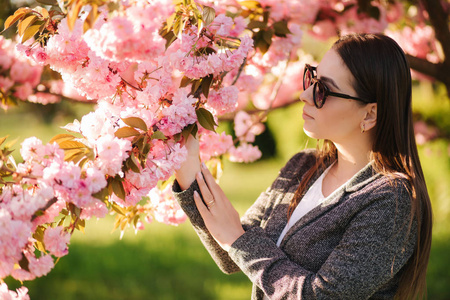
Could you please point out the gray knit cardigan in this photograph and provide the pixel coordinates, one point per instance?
(352, 246)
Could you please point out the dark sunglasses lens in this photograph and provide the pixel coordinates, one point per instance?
(319, 94)
(307, 78)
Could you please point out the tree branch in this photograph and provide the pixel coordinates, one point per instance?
(439, 20)
(438, 71)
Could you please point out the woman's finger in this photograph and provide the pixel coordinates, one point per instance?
(208, 197)
(210, 181)
(200, 205)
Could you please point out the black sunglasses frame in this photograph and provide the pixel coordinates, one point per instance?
(326, 90)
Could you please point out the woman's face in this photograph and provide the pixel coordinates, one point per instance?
(339, 119)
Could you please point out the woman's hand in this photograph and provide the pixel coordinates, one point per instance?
(219, 215)
(185, 175)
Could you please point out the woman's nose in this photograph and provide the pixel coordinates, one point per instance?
(307, 95)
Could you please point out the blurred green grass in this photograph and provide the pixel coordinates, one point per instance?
(165, 262)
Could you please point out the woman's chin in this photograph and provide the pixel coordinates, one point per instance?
(310, 133)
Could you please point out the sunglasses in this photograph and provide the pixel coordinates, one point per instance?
(321, 91)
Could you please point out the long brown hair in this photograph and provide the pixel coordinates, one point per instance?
(381, 72)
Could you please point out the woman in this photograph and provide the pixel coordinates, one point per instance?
(349, 221)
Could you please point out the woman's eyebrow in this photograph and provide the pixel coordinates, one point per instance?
(330, 81)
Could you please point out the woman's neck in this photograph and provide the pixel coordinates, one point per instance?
(350, 160)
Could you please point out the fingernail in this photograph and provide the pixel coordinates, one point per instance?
(195, 194)
(203, 165)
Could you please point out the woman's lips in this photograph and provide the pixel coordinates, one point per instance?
(306, 116)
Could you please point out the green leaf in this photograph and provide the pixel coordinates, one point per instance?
(62, 137)
(206, 85)
(31, 31)
(130, 164)
(48, 2)
(118, 188)
(256, 24)
(195, 85)
(170, 20)
(136, 123)
(23, 263)
(66, 145)
(25, 23)
(206, 119)
(260, 43)
(250, 4)
(158, 135)
(2, 140)
(80, 225)
(185, 81)
(208, 15)
(61, 222)
(190, 129)
(74, 155)
(126, 132)
(267, 35)
(102, 194)
(9, 144)
(18, 14)
(281, 28)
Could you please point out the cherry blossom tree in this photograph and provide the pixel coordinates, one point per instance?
(160, 71)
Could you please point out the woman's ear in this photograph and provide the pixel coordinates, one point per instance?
(370, 120)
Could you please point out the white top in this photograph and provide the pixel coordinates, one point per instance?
(310, 200)
(313, 197)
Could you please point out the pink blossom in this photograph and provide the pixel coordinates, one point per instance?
(44, 98)
(56, 241)
(20, 294)
(69, 175)
(40, 266)
(424, 133)
(166, 208)
(111, 152)
(213, 144)
(221, 25)
(50, 213)
(224, 100)
(39, 56)
(352, 21)
(245, 153)
(23, 91)
(246, 126)
(6, 83)
(96, 208)
(179, 114)
(324, 29)
(32, 148)
(14, 236)
(95, 179)
(22, 275)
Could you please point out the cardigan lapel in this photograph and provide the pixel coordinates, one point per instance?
(358, 181)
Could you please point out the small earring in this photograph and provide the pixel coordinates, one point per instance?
(363, 127)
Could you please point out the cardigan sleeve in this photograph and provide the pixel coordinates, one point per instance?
(252, 218)
(377, 243)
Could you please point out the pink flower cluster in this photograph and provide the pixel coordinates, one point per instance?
(245, 153)
(246, 126)
(185, 51)
(165, 208)
(20, 294)
(214, 145)
(18, 74)
(344, 17)
(133, 36)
